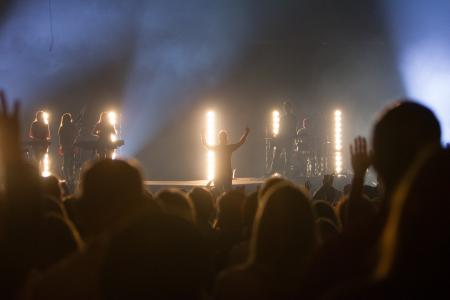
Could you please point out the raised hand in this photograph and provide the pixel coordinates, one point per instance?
(360, 157)
(9, 130)
(247, 130)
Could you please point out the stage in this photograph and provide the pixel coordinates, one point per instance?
(250, 183)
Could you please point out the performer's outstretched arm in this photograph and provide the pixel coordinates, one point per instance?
(242, 140)
(204, 143)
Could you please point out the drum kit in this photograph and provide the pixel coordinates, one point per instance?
(304, 158)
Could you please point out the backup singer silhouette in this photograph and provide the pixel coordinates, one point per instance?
(40, 135)
(67, 134)
(105, 131)
(223, 172)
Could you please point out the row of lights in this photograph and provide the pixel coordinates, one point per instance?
(338, 141)
(338, 161)
(210, 140)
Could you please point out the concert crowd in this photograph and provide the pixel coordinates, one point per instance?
(113, 239)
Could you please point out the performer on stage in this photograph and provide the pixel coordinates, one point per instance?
(104, 130)
(223, 172)
(306, 148)
(306, 137)
(67, 134)
(40, 135)
(285, 140)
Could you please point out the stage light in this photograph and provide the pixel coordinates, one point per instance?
(114, 139)
(338, 141)
(46, 166)
(112, 117)
(420, 35)
(210, 140)
(275, 122)
(46, 117)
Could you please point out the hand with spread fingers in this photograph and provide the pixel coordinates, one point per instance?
(360, 157)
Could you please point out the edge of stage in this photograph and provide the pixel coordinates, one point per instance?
(248, 183)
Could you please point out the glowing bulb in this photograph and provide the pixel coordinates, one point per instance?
(46, 166)
(275, 122)
(112, 117)
(210, 140)
(338, 141)
(46, 117)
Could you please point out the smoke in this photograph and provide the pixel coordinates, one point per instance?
(421, 32)
(181, 49)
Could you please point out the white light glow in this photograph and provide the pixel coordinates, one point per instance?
(275, 122)
(112, 117)
(210, 140)
(46, 117)
(338, 141)
(422, 45)
(46, 166)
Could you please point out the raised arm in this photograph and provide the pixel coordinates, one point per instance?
(204, 143)
(360, 163)
(242, 140)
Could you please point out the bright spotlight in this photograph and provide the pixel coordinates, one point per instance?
(46, 166)
(210, 140)
(112, 117)
(275, 122)
(46, 117)
(338, 141)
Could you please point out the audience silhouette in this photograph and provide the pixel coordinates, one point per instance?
(114, 240)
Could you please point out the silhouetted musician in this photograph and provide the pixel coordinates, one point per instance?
(67, 134)
(40, 137)
(106, 133)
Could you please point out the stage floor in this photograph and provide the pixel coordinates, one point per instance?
(203, 182)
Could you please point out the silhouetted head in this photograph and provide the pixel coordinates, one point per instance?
(66, 119)
(203, 204)
(328, 180)
(223, 137)
(158, 257)
(327, 230)
(284, 234)
(400, 134)
(269, 183)
(51, 187)
(230, 210)
(287, 107)
(176, 203)
(111, 190)
(323, 209)
(416, 239)
(40, 116)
